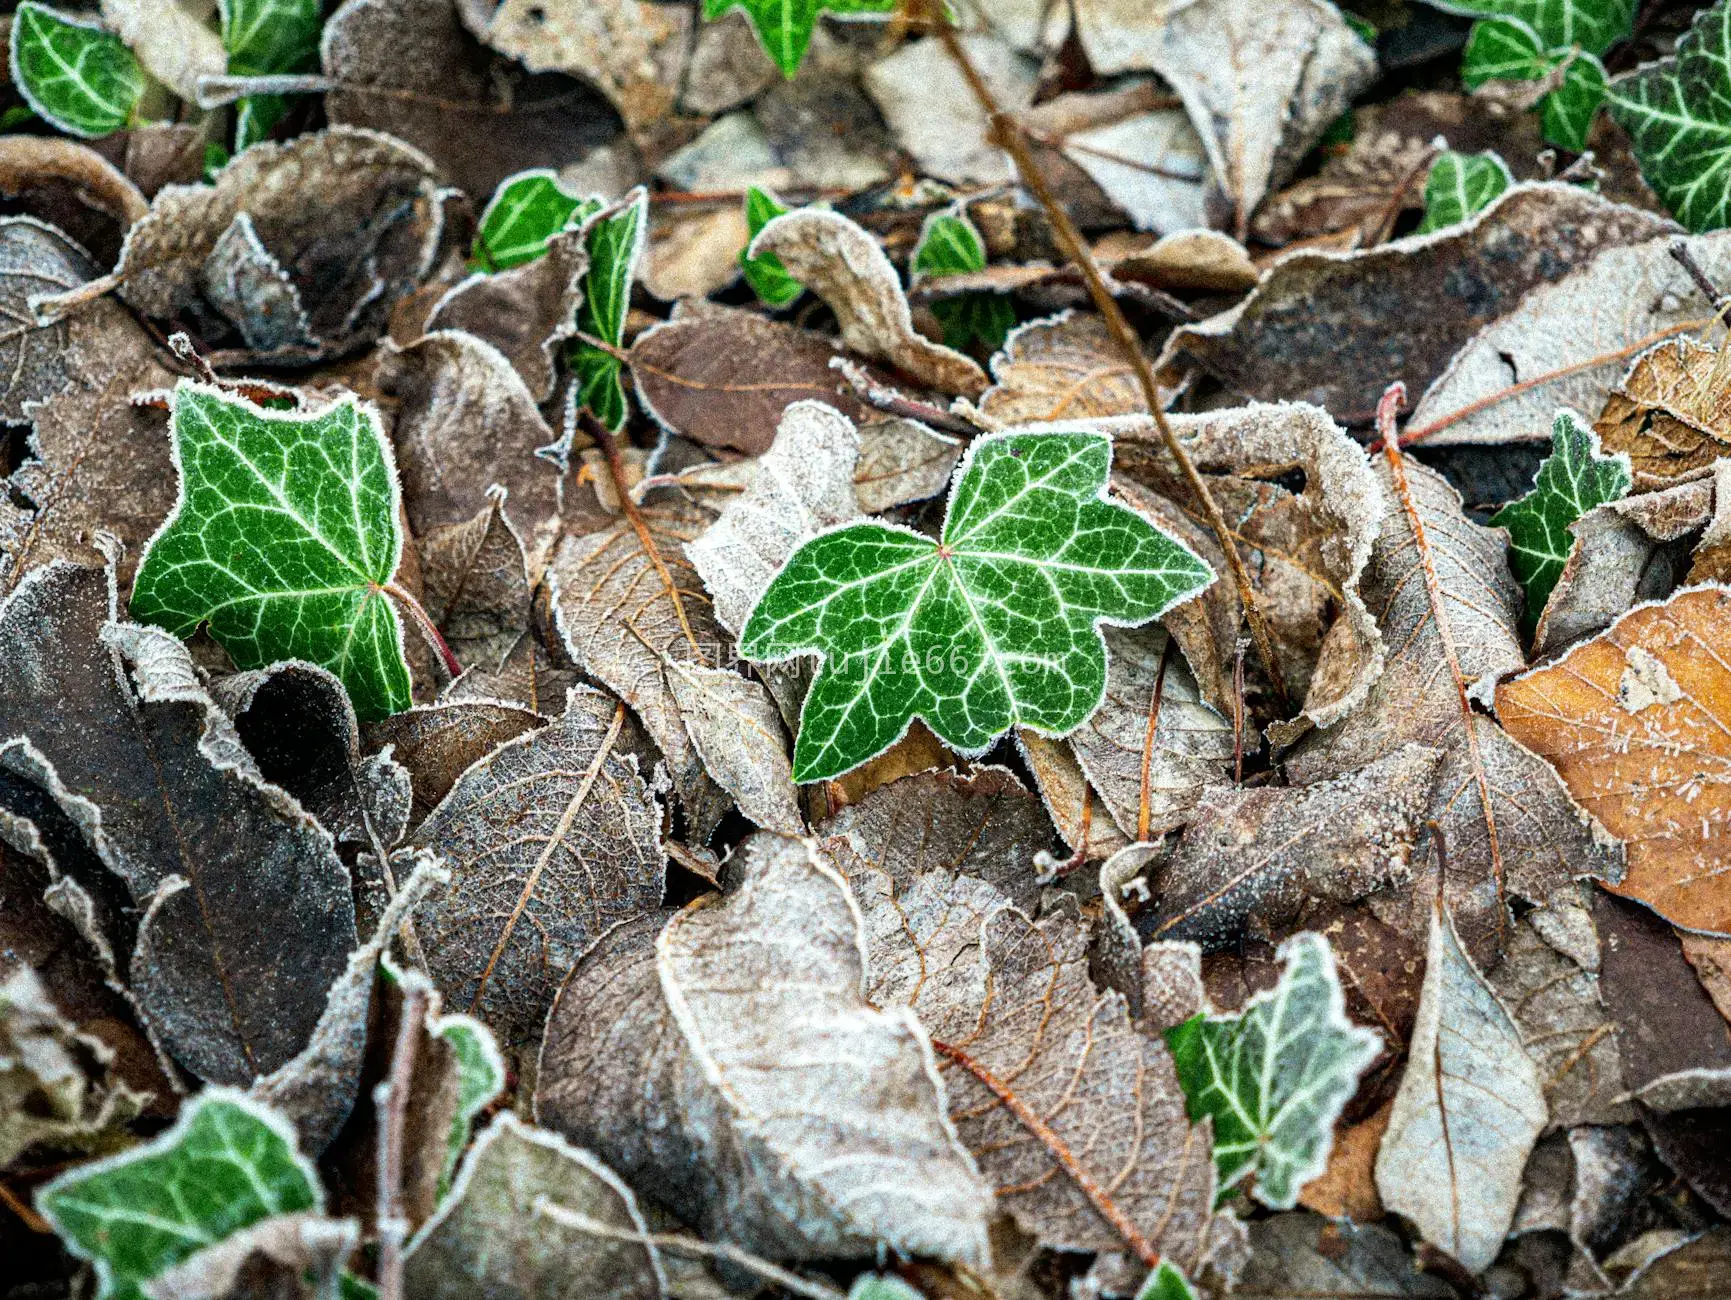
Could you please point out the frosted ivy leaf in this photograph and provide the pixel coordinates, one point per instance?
(615, 242)
(266, 38)
(765, 274)
(283, 540)
(79, 77)
(1574, 478)
(993, 625)
(526, 211)
(1275, 1076)
(785, 26)
(226, 1164)
(1507, 49)
(1594, 25)
(1459, 185)
(950, 244)
(1166, 1283)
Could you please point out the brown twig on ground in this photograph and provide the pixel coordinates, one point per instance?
(1680, 252)
(1007, 134)
(393, 1097)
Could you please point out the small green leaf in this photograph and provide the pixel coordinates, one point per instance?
(784, 26)
(995, 625)
(1461, 184)
(1275, 1076)
(1594, 25)
(1566, 114)
(1574, 478)
(284, 536)
(983, 315)
(1362, 28)
(615, 242)
(874, 1286)
(267, 38)
(480, 1079)
(226, 1164)
(1507, 49)
(765, 274)
(73, 73)
(950, 244)
(15, 117)
(1166, 1283)
(526, 211)
(1677, 112)
(215, 159)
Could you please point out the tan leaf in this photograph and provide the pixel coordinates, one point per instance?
(296, 1256)
(844, 266)
(1635, 722)
(1671, 412)
(737, 732)
(75, 188)
(1076, 810)
(1061, 369)
(1711, 959)
(1346, 1189)
(693, 254)
(900, 462)
(733, 1069)
(170, 41)
(475, 586)
(437, 742)
(1441, 592)
(1152, 165)
(934, 114)
(550, 839)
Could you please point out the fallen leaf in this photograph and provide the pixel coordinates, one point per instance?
(845, 267)
(1316, 306)
(737, 731)
(296, 1256)
(1079, 814)
(1470, 1106)
(1346, 1189)
(475, 587)
(1152, 165)
(1631, 722)
(531, 1215)
(438, 742)
(1065, 368)
(1711, 959)
(901, 462)
(1294, 1255)
(551, 839)
(933, 112)
(174, 46)
(822, 1154)
(1256, 857)
(693, 254)
(72, 188)
(1669, 412)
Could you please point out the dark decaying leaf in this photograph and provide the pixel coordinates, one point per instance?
(550, 840)
(118, 729)
(295, 1256)
(475, 586)
(438, 742)
(1297, 1255)
(733, 1069)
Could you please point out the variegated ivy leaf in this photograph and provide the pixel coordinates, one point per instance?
(1677, 112)
(994, 624)
(226, 1164)
(785, 26)
(267, 38)
(950, 244)
(1594, 25)
(284, 539)
(77, 76)
(1167, 1282)
(765, 274)
(1275, 1076)
(615, 242)
(526, 211)
(1574, 478)
(1459, 185)
(1507, 49)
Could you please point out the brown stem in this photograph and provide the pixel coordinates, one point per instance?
(886, 399)
(392, 1215)
(1108, 1209)
(429, 629)
(1007, 134)
(1679, 251)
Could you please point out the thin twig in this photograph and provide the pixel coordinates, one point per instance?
(1008, 135)
(1396, 204)
(428, 629)
(1237, 714)
(1680, 251)
(393, 1097)
(1108, 1209)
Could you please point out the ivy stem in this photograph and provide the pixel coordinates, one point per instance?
(1008, 135)
(428, 628)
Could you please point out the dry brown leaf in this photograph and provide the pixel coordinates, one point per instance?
(693, 254)
(72, 188)
(737, 731)
(1440, 589)
(933, 112)
(438, 742)
(1152, 165)
(918, 751)
(550, 839)
(1346, 1189)
(1255, 857)
(296, 1256)
(475, 586)
(900, 462)
(1065, 368)
(1080, 815)
(847, 268)
(1305, 1255)
(1671, 413)
(732, 1069)
(1284, 341)
(1635, 721)
(170, 40)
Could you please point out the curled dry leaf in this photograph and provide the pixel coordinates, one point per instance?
(1671, 413)
(73, 188)
(733, 1069)
(1563, 329)
(845, 267)
(1470, 1106)
(550, 839)
(1258, 856)
(170, 41)
(1440, 590)
(1065, 368)
(331, 228)
(1074, 1114)
(1635, 722)
(530, 1215)
(296, 1256)
(1316, 306)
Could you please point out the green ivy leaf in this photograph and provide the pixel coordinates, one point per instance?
(993, 626)
(1275, 1076)
(615, 242)
(267, 38)
(784, 27)
(1461, 184)
(1677, 112)
(77, 76)
(765, 274)
(480, 1079)
(526, 211)
(1166, 1283)
(1594, 25)
(1507, 49)
(226, 1164)
(950, 244)
(1574, 478)
(875, 1286)
(284, 536)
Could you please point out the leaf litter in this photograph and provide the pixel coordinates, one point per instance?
(610, 687)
